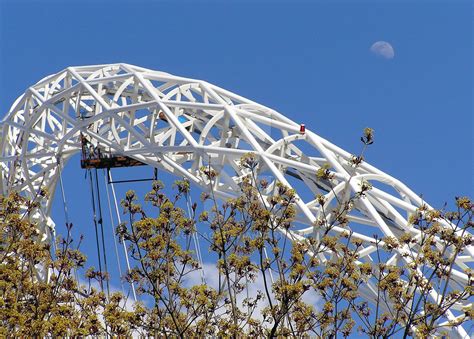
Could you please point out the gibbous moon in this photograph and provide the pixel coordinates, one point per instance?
(383, 49)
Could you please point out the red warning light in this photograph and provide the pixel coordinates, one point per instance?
(302, 129)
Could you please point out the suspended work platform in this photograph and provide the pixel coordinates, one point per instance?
(96, 157)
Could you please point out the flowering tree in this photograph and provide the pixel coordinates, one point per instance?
(245, 241)
(33, 307)
(298, 293)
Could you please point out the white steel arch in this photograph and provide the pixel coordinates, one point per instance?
(179, 125)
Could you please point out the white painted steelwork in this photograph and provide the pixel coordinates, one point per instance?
(179, 125)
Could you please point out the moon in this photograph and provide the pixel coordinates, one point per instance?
(383, 49)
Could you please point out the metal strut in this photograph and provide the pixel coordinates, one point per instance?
(110, 181)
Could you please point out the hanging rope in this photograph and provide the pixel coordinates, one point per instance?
(123, 242)
(101, 223)
(196, 241)
(270, 270)
(119, 264)
(66, 213)
(96, 228)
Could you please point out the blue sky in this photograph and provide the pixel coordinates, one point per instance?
(310, 61)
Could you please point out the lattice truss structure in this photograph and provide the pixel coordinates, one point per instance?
(179, 125)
